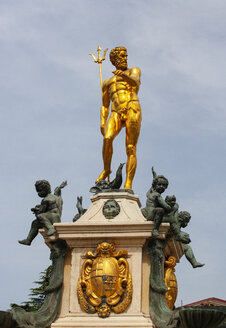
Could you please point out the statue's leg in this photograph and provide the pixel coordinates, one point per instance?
(133, 123)
(113, 128)
(52, 217)
(158, 215)
(188, 252)
(47, 220)
(32, 233)
(179, 235)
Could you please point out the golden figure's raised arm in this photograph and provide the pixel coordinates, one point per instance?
(104, 110)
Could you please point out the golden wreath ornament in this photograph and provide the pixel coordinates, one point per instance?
(105, 283)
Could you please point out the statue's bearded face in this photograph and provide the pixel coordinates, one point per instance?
(121, 60)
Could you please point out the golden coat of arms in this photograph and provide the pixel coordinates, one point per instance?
(170, 281)
(105, 283)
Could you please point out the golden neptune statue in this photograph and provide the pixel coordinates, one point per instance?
(121, 91)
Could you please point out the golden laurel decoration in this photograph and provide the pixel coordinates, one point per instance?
(105, 283)
(170, 281)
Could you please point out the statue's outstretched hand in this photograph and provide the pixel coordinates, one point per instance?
(118, 73)
(35, 209)
(57, 190)
(63, 184)
(153, 172)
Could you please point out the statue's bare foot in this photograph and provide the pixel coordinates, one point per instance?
(51, 231)
(103, 175)
(198, 265)
(128, 185)
(24, 242)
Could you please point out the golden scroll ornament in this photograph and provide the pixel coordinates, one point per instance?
(170, 281)
(105, 283)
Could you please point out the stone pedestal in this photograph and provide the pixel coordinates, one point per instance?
(129, 231)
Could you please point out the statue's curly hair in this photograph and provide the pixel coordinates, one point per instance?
(184, 215)
(114, 53)
(43, 183)
(155, 180)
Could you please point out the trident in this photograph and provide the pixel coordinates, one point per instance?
(99, 61)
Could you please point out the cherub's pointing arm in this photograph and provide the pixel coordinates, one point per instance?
(57, 190)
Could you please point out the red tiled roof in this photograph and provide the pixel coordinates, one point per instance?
(209, 301)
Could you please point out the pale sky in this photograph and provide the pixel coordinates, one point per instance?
(50, 100)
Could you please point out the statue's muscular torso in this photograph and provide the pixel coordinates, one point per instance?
(122, 93)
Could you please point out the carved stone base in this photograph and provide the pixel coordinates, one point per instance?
(129, 231)
(121, 321)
